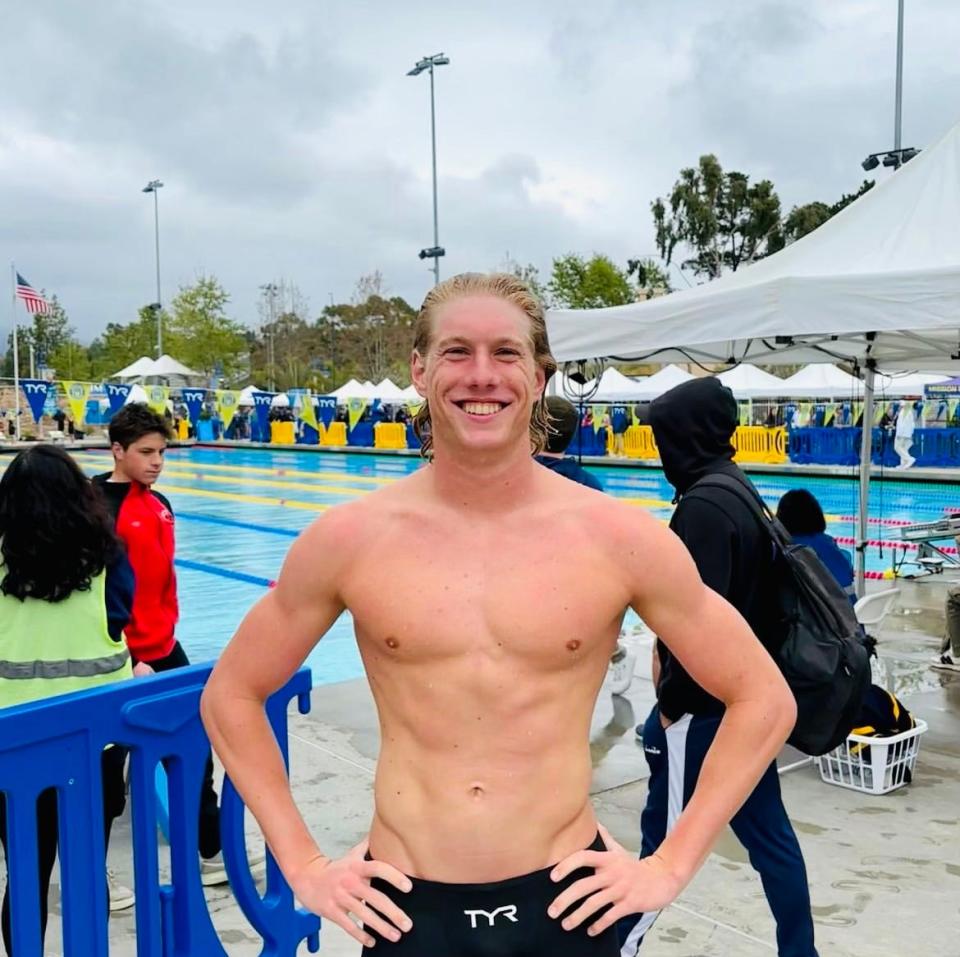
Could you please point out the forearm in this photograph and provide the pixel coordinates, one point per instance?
(244, 741)
(750, 735)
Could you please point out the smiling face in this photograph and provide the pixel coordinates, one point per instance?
(478, 373)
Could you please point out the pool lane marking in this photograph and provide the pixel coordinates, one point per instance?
(238, 497)
(174, 463)
(266, 483)
(223, 572)
(233, 523)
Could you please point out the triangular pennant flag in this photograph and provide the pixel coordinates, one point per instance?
(308, 412)
(261, 405)
(157, 396)
(227, 401)
(36, 392)
(193, 399)
(599, 411)
(77, 394)
(355, 409)
(414, 405)
(117, 395)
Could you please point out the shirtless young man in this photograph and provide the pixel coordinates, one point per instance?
(485, 657)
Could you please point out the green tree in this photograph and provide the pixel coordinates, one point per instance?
(370, 337)
(652, 279)
(722, 219)
(201, 335)
(122, 343)
(576, 283)
(47, 333)
(528, 275)
(805, 219)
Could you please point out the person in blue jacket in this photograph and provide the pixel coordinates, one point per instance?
(564, 421)
(801, 515)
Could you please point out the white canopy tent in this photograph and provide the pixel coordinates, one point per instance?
(389, 391)
(899, 386)
(821, 380)
(614, 386)
(878, 285)
(661, 381)
(143, 366)
(351, 390)
(746, 381)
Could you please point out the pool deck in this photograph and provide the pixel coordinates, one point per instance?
(884, 871)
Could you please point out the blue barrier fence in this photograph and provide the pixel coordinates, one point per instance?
(57, 743)
(830, 446)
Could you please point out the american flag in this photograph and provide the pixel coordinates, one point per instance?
(35, 303)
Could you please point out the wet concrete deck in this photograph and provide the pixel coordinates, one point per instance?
(884, 871)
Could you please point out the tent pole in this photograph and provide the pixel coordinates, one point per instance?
(866, 448)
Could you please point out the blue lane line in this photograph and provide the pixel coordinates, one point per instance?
(222, 572)
(232, 523)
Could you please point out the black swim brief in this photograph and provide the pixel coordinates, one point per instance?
(503, 919)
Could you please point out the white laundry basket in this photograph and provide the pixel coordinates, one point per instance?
(873, 765)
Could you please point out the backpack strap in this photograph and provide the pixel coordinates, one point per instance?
(749, 496)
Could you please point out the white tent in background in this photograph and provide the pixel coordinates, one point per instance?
(410, 394)
(898, 386)
(351, 390)
(142, 367)
(661, 381)
(877, 285)
(821, 380)
(746, 381)
(280, 400)
(246, 395)
(388, 391)
(137, 394)
(168, 366)
(614, 386)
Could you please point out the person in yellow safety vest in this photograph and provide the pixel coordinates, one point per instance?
(66, 589)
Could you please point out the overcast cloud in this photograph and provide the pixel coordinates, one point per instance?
(292, 145)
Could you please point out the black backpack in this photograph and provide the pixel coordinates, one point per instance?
(815, 638)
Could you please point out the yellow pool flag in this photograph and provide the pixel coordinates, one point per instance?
(599, 411)
(355, 409)
(227, 401)
(414, 405)
(157, 396)
(77, 394)
(308, 412)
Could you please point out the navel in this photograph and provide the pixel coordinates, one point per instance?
(573, 644)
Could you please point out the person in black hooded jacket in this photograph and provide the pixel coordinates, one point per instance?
(693, 425)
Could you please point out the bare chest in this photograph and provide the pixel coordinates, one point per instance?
(523, 593)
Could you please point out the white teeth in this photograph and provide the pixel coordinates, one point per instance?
(481, 408)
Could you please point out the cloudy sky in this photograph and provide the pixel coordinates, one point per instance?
(292, 145)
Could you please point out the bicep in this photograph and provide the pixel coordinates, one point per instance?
(278, 633)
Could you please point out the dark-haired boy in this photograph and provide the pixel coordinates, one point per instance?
(144, 522)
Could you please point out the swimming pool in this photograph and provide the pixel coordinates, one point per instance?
(238, 511)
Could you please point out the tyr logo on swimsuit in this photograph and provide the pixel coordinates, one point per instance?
(509, 911)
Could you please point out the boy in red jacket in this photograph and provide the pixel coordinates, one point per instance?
(144, 522)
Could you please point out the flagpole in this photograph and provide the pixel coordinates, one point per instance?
(16, 354)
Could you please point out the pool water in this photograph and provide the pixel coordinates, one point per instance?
(238, 511)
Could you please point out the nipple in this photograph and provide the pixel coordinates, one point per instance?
(573, 644)
(392, 642)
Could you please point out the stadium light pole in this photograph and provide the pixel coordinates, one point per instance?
(435, 251)
(154, 187)
(898, 155)
(271, 290)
